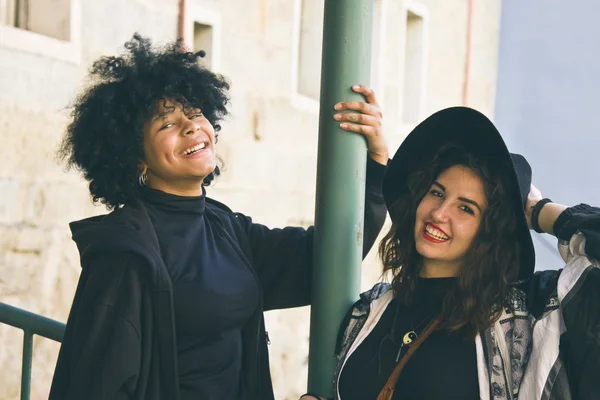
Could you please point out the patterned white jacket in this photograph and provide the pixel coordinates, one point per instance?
(546, 344)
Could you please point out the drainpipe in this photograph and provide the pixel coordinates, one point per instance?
(181, 31)
(341, 164)
(467, 78)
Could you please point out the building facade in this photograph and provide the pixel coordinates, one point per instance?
(426, 55)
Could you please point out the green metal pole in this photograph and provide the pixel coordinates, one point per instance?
(26, 365)
(340, 194)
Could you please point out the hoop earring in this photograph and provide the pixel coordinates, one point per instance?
(143, 179)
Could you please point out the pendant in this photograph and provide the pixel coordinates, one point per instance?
(409, 337)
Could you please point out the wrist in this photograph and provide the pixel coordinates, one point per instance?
(535, 214)
(381, 158)
(548, 216)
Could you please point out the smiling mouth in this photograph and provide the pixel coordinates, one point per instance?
(195, 149)
(433, 234)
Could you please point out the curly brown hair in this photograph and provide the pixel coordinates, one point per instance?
(104, 139)
(492, 263)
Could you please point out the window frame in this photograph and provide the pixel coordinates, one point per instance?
(69, 51)
(307, 103)
(420, 11)
(202, 15)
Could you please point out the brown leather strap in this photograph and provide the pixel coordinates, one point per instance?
(388, 390)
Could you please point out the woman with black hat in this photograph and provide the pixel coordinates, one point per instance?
(173, 286)
(465, 316)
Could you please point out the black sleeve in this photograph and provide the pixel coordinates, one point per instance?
(101, 351)
(582, 218)
(580, 345)
(283, 258)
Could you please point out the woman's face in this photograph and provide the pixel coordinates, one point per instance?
(179, 149)
(448, 219)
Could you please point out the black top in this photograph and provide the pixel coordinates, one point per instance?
(214, 296)
(444, 366)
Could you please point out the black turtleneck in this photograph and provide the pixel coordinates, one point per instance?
(444, 366)
(214, 296)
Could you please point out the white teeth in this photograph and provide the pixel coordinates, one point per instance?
(435, 233)
(194, 149)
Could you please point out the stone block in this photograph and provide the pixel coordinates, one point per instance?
(10, 201)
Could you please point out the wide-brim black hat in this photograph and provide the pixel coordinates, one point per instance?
(474, 132)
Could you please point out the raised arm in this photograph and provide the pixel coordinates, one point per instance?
(564, 222)
(578, 231)
(283, 257)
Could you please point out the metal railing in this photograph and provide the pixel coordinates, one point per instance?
(31, 324)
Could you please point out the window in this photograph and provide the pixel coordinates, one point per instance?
(377, 50)
(203, 33)
(46, 17)
(415, 57)
(203, 40)
(307, 52)
(310, 46)
(49, 28)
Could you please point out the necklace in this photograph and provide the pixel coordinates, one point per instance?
(410, 336)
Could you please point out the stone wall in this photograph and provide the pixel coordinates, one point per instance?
(269, 143)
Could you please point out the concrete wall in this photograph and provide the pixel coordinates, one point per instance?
(547, 98)
(268, 144)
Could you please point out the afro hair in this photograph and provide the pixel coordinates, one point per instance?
(104, 139)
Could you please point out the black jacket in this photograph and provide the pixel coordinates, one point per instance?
(119, 341)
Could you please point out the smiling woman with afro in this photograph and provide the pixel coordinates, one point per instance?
(105, 140)
(174, 284)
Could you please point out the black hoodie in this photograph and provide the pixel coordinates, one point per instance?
(119, 342)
